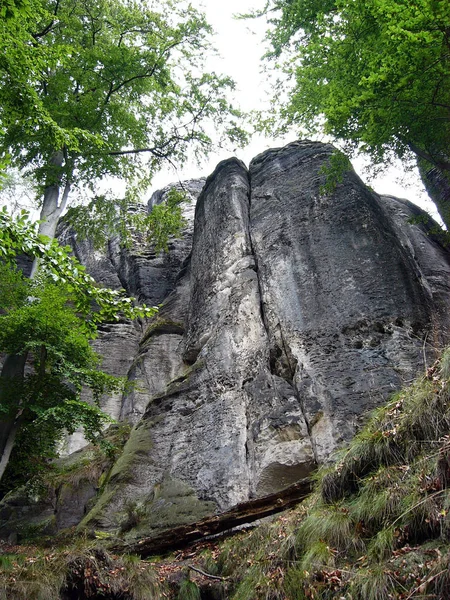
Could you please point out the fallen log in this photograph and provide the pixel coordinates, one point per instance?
(246, 512)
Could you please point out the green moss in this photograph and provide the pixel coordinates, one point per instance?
(95, 517)
(160, 326)
(174, 503)
(122, 472)
(139, 444)
(30, 531)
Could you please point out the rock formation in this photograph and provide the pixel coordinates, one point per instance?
(295, 312)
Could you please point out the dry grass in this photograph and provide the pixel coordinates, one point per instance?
(378, 525)
(82, 570)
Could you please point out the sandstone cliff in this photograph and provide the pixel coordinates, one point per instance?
(287, 313)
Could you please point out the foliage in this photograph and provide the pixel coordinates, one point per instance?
(102, 219)
(375, 74)
(38, 320)
(18, 236)
(16, 191)
(96, 87)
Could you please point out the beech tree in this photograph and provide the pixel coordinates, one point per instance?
(90, 88)
(373, 73)
(45, 404)
(48, 321)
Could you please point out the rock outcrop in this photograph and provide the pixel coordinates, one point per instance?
(295, 312)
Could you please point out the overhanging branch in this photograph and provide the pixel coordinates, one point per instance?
(444, 165)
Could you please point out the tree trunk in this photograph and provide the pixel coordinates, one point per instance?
(9, 445)
(13, 370)
(437, 184)
(52, 208)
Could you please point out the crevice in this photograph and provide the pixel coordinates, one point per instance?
(248, 446)
(255, 259)
(308, 423)
(285, 369)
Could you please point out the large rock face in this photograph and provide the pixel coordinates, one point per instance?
(150, 277)
(295, 313)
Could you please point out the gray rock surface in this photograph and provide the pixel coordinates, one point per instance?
(295, 313)
(345, 303)
(149, 276)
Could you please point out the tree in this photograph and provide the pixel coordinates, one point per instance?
(90, 88)
(38, 320)
(53, 336)
(373, 73)
(19, 236)
(48, 322)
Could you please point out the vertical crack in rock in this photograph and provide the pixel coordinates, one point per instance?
(290, 361)
(300, 400)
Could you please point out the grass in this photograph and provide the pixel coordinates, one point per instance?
(377, 526)
(188, 590)
(80, 570)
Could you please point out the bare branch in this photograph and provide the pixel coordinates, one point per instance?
(197, 570)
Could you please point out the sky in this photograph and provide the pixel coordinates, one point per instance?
(241, 44)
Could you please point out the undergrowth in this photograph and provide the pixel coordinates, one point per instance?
(81, 570)
(377, 526)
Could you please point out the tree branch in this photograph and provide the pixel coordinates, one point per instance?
(156, 150)
(46, 30)
(206, 574)
(65, 196)
(442, 164)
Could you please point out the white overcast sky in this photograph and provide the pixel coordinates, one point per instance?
(240, 44)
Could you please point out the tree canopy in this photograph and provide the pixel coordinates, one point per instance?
(90, 88)
(373, 73)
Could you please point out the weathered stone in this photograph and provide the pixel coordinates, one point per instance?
(24, 514)
(296, 312)
(140, 270)
(117, 344)
(343, 303)
(151, 277)
(63, 502)
(422, 238)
